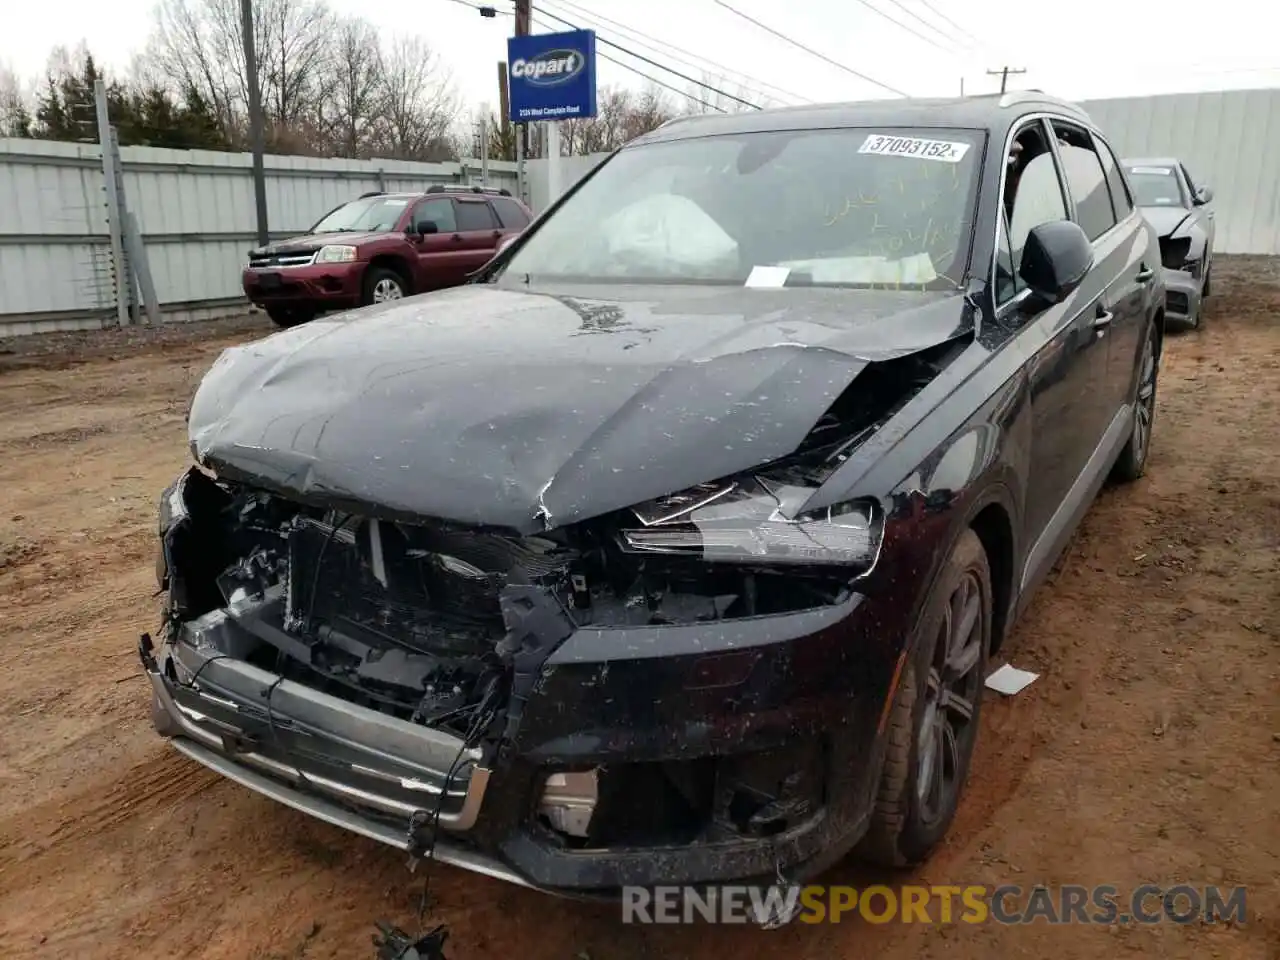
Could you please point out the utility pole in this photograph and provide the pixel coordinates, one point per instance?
(1004, 73)
(524, 17)
(255, 120)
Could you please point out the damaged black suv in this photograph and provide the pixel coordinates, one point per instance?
(673, 547)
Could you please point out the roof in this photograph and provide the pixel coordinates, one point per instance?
(978, 113)
(1149, 162)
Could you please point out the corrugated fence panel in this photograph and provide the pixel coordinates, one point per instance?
(52, 214)
(1228, 140)
(195, 209)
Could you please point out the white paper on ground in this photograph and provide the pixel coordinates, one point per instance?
(1010, 680)
(768, 276)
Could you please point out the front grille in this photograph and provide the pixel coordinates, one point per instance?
(271, 261)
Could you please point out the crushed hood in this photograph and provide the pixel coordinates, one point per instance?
(531, 410)
(1165, 220)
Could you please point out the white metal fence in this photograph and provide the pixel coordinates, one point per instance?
(1228, 140)
(196, 211)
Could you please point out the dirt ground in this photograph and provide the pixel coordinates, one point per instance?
(1149, 751)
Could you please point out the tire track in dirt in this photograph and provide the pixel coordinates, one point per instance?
(159, 783)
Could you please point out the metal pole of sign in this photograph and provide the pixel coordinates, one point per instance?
(553, 162)
(520, 178)
(484, 145)
(524, 17)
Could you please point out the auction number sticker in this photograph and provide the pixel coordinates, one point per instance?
(946, 151)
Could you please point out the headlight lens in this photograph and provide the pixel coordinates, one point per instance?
(336, 253)
(753, 520)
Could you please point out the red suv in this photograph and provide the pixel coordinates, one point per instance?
(382, 246)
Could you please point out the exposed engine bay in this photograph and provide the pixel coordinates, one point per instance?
(428, 620)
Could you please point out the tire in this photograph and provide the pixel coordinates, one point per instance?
(1204, 289)
(1132, 462)
(381, 285)
(285, 317)
(909, 819)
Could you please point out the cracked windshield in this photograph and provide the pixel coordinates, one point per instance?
(850, 207)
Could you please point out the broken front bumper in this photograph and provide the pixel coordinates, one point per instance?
(344, 764)
(731, 703)
(1182, 296)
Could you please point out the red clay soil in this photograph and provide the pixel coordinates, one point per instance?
(1149, 750)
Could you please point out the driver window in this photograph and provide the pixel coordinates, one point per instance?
(1007, 280)
(1033, 195)
(440, 211)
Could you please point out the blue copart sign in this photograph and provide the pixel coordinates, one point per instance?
(552, 76)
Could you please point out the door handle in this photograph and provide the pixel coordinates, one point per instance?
(1145, 274)
(1102, 319)
(457, 238)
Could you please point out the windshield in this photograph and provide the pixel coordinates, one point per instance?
(370, 215)
(848, 207)
(1155, 187)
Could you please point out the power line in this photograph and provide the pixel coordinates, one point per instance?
(654, 63)
(809, 50)
(921, 20)
(653, 80)
(697, 60)
(947, 20)
(911, 30)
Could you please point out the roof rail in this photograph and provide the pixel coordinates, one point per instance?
(372, 193)
(463, 188)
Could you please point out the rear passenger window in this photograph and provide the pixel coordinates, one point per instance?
(1121, 202)
(1086, 181)
(510, 213)
(475, 215)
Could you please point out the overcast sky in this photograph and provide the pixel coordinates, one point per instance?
(1084, 49)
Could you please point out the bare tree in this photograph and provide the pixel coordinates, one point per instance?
(717, 94)
(196, 45)
(621, 115)
(352, 89)
(419, 107)
(652, 108)
(15, 106)
(293, 48)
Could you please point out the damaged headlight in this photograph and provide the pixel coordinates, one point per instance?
(756, 520)
(336, 253)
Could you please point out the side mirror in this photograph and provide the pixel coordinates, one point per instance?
(1056, 259)
(424, 227)
(1203, 196)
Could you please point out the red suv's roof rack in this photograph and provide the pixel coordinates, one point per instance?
(459, 188)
